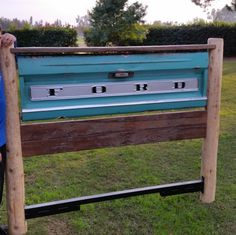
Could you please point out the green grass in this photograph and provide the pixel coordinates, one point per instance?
(80, 41)
(89, 172)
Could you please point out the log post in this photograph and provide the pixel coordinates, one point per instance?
(210, 144)
(14, 167)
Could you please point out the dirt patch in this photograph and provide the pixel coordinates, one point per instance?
(233, 58)
(59, 227)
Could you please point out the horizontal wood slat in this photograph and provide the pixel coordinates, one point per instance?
(67, 136)
(56, 50)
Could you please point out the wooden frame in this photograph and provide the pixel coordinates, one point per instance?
(188, 125)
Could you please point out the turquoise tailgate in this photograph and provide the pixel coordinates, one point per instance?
(85, 85)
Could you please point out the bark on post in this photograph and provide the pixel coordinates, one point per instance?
(14, 169)
(210, 144)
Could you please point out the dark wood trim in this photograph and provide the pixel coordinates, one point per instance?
(124, 49)
(68, 136)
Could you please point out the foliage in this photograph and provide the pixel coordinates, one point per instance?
(194, 34)
(13, 24)
(114, 22)
(225, 14)
(207, 3)
(7, 24)
(202, 3)
(45, 36)
(82, 23)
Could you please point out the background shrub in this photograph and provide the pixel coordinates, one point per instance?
(193, 34)
(46, 37)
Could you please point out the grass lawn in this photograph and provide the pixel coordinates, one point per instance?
(70, 175)
(81, 41)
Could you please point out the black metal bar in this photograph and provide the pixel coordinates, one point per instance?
(51, 208)
(56, 207)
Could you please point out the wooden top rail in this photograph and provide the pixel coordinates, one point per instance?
(120, 49)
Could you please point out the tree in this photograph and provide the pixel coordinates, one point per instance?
(83, 23)
(57, 23)
(232, 7)
(31, 20)
(202, 3)
(115, 22)
(225, 14)
(206, 3)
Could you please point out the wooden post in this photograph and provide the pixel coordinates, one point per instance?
(14, 168)
(210, 144)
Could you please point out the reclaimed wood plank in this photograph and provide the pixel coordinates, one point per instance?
(65, 136)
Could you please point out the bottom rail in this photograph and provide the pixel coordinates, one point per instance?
(73, 204)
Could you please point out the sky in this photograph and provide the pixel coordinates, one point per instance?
(181, 11)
